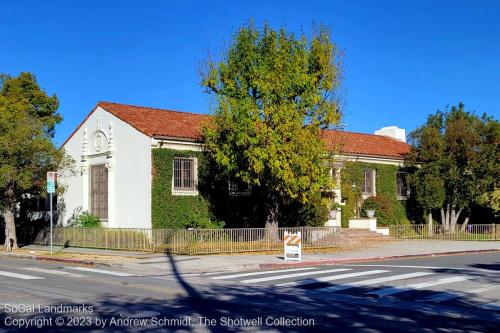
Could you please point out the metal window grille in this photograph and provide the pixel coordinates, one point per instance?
(99, 191)
(368, 185)
(184, 176)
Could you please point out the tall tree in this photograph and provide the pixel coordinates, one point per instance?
(274, 92)
(461, 151)
(27, 123)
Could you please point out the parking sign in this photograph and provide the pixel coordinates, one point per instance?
(51, 182)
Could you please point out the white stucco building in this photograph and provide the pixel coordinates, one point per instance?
(112, 150)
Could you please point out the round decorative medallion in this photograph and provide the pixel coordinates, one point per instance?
(98, 143)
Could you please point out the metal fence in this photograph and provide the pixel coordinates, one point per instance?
(470, 232)
(190, 241)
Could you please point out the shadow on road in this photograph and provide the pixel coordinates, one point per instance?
(215, 301)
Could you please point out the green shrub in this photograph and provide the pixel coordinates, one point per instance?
(384, 209)
(314, 213)
(370, 203)
(87, 220)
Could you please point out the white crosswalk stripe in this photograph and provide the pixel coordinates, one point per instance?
(416, 286)
(232, 276)
(330, 278)
(447, 296)
(100, 271)
(20, 276)
(374, 281)
(287, 276)
(53, 272)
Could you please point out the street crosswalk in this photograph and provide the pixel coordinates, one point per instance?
(101, 271)
(424, 285)
(39, 273)
(19, 276)
(421, 285)
(446, 296)
(370, 282)
(270, 278)
(53, 272)
(329, 278)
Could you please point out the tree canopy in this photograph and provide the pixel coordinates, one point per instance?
(28, 117)
(274, 92)
(456, 158)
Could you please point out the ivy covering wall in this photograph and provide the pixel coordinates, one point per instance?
(213, 205)
(385, 185)
(178, 211)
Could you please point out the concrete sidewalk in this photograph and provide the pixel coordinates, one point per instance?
(158, 263)
(394, 250)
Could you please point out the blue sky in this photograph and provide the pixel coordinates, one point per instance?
(403, 59)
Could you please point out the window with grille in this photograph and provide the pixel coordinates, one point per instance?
(99, 191)
(401, 186)
(184, 178)
(369, 182)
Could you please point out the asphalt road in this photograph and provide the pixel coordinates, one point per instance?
(444, 294)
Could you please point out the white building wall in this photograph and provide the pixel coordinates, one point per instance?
(127, 154)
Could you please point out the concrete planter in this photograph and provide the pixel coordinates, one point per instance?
(368, 223)
(384, 231)
(370, 213)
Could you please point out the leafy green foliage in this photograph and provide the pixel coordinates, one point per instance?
(384, 209)
(370, 203)
(353, 173)
(28, 117)
(178, 211)
(87, 220)
(274, 93)
(455, 157)
(491, 200)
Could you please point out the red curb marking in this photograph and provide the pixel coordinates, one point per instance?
(67, 261)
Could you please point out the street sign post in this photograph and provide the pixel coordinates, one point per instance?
(51, 189)
(293, 246)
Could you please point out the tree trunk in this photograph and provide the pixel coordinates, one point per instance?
(464, 225)
(443, 218)
(10, 230)
(431, 229)
(452, 220)
(272, 219)
(448, 218)
(455, 218)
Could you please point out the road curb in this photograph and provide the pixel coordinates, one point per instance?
(371, 259)
(58, 260)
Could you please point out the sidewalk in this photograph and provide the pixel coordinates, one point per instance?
(158, 263)
(198, 264)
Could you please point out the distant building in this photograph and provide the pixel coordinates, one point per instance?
(114, 146)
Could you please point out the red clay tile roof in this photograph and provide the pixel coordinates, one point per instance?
(366, 144)
(183, 125)
(159, 122)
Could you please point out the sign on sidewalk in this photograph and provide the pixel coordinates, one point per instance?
(51, 189)
(51, 181)
(293, 246)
